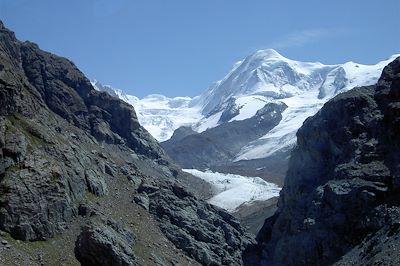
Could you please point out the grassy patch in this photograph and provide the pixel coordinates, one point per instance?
(50, 250)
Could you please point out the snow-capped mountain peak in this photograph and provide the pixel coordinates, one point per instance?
(266, 54)
(262, 77)
(266, 73)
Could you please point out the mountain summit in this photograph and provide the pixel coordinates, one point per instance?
(268, 54)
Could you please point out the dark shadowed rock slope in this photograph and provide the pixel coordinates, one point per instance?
(340, 201)
(217, 147)
(82, 182)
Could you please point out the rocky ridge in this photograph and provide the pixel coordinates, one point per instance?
(77, 170)
(340, 200)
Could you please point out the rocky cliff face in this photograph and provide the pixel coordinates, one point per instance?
(341, 194)
(82, 181)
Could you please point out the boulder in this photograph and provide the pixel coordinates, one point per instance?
(95, 183)
(105, 244)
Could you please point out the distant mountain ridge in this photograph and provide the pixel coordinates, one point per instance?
(262, 78)
(265, 75)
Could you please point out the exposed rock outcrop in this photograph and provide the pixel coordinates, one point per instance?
(40, 187)
(68, 93)
(208, 234)
(341, 194)
(105, 244)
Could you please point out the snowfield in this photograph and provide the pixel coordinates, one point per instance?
(283, 136)
(230, 191)
(161, 115)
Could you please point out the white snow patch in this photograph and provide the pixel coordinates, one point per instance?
(249, 105)
(231, 191)
(209, 122)
(161, 115)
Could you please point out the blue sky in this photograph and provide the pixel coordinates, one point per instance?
(179, 47)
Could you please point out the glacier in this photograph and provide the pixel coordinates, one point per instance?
(232, 191)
